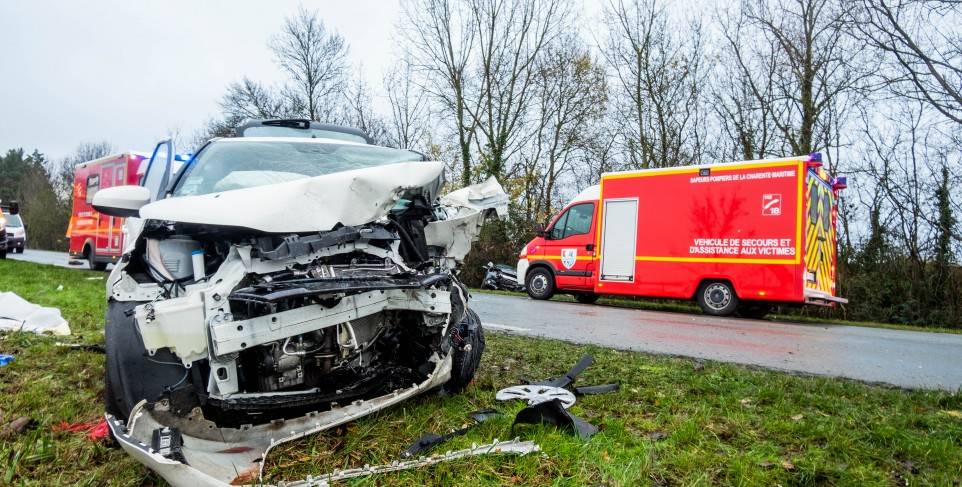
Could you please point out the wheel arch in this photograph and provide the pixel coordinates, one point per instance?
(718, 278)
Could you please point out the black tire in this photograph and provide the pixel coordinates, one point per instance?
(539, 283)
(3, 254)
(586, 298)
(717, 298)
(19, 250)
(91, 256)
(754, 311)
(130, 374)
(466, 356)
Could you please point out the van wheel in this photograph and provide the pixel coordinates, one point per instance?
(540, 283)
(91, 257)
(3, 254)
(717, 298)
(586, 298)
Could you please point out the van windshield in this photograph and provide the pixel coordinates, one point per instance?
(13, 221)
(236, 164)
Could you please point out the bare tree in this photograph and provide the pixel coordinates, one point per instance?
(819, 66)
(744, 91)
(657, 65)
(923, 48)
(570, 97)
(511, 36)
(409, 106)
(315, 60)
(249, 99)
(439, 38)
(357, 110)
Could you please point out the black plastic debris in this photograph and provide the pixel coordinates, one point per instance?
(571, 375)
(553, 413)
(598, 389)
(431, 440)
(168, 442)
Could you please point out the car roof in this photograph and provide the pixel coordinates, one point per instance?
(302, 124)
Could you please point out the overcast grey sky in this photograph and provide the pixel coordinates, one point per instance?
(131, 71)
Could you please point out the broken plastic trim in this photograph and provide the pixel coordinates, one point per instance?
(553, 413)
(298, 245)
(277, 291)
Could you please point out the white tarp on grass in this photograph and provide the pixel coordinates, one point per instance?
(18, 314)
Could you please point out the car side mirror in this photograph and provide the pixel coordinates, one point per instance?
(539, 230)
(121, 200)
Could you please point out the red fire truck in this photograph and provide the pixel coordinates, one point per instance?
(735, 237)
(98, 238)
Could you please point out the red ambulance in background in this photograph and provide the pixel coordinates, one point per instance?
(735, 237)
(97, 238)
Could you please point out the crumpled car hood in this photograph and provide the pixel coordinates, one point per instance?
(306, 205)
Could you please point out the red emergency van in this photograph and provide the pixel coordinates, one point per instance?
(94, 237)
(97, 238)
(735, 237)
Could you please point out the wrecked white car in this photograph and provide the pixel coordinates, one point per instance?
(276, 287)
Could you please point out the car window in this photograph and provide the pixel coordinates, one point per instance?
(93, 184)
(575, 221)
(237, 164)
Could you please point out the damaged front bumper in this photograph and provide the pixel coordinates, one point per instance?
(215, 457)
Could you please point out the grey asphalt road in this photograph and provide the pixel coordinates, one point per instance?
(46, 257)
(908, 359)
(903, 358)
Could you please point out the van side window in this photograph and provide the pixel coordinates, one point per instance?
(93, 184)
(575, 221)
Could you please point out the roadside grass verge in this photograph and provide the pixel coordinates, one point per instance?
(689, 307)
(674, 421)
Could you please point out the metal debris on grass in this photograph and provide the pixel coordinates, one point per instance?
(430, 440)
(514, 447)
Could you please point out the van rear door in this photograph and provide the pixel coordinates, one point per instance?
(820, 248)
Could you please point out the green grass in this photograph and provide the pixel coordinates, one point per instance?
(690, 307)
(674, 422)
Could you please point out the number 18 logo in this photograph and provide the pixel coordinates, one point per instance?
(771, 205)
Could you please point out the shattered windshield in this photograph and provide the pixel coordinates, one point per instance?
(237, 164)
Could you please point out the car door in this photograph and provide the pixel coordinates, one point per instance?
(104, 222)
(569, 246)
(159, 171)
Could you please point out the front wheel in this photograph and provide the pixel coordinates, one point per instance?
(717, 298)
(540, 283)
(466, 356)
(586, 298)
(3, 254)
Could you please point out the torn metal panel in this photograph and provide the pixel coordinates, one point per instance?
(465, 212)
(306, 205)
(514, 447)
(233, 336)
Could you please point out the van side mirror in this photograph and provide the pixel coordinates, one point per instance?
(539, 230)
(121, 200)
